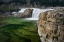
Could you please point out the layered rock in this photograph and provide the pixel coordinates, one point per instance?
(51, 26)
(27, 13)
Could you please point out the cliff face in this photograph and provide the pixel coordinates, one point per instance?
(51, 26)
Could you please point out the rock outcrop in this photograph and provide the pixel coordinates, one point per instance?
(27, 13)
(51, 25)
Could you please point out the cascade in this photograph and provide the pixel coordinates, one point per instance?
(35, 13)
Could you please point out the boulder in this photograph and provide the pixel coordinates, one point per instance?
(27, 13)
(51, 25)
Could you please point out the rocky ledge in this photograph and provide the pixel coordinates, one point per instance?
(51, 26)
(26, 14)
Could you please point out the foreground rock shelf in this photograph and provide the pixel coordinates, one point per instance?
(51, 26)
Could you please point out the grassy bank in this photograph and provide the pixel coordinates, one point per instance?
(18, 30)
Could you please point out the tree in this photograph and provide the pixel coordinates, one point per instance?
(6, 1)
(28, 2)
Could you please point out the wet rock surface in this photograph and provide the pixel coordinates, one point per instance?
(51, 25)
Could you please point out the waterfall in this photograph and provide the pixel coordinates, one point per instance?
(35, 13)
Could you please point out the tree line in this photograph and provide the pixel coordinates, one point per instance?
(37, 2)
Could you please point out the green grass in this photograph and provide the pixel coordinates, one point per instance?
(12, 20)
(18, 30)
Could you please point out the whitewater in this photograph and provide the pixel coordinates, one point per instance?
(35, 13)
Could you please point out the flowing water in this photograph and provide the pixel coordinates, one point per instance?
(35, 13)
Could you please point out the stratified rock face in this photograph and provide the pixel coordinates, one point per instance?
(51, 26)
(27, 13)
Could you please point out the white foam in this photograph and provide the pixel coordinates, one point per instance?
(22, 10)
